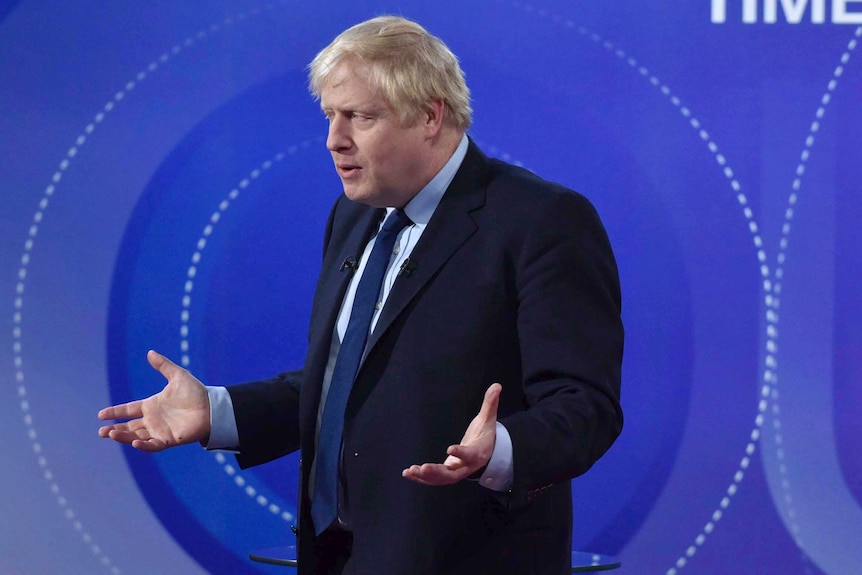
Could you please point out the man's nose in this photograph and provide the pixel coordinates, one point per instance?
(338, 138)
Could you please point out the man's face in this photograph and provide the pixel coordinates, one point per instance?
(380, 162)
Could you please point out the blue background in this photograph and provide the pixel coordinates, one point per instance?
(164, 184)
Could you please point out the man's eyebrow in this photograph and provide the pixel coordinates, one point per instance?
(366, 110)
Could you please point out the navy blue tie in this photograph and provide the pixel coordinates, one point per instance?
(324, 503)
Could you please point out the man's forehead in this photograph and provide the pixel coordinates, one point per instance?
(350, 85)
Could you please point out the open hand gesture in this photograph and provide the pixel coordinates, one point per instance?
(472, 454)
(178, 414)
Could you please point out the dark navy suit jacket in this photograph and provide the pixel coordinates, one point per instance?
(515, 283)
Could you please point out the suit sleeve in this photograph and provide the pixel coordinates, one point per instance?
(267, 418)
(571, 342)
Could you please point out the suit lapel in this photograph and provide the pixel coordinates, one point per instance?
(449, 228)
(335, 279)
(350, 232)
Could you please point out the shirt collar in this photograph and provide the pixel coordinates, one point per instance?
(422, 206)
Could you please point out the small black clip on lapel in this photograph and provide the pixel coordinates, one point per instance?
(349, 262)
(407, 267)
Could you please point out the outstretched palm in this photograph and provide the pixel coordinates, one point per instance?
(176, 415)
(472, 454)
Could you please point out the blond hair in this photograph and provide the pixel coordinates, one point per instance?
(409, 66)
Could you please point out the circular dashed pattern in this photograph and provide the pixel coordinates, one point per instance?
(773, 298)
(769, 389)
(771, 286)
(18, 302)
(753, 229)
(188, 287)
(250, 490)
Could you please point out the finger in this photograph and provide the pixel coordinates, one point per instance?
(105, 430)
(414, 473)
(453, 461)
(463, 454)
(491, 402)
(434, 474)
(122, 411)
(416, 479)
(150, 445)
(162, 364)
(123, 436)
(438, 474)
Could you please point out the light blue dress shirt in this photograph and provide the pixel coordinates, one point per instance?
(499, 472)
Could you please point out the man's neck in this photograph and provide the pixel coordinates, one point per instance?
(443, 147)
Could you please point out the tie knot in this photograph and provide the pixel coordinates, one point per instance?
(395, 222)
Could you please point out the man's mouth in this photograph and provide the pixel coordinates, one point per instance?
(347, 169)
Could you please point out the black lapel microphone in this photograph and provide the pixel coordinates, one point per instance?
(407, 267)
(349, 262)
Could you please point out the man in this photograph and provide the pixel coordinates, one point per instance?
(499, 292)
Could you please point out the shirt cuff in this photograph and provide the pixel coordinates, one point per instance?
(500, 471)
(223, 433)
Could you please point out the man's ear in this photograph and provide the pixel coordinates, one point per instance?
(434, 116)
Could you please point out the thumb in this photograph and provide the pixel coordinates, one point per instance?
(162, 364)
(491, 402)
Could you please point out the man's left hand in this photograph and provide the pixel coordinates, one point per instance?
(469, 456)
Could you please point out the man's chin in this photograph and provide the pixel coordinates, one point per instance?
(355, 194)
(366, 197)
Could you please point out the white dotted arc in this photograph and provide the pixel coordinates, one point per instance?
(753, 229)
(249, 490)
(188, 287)
(773, 299)
(18, 303)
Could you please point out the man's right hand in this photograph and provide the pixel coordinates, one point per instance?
(177, 415)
